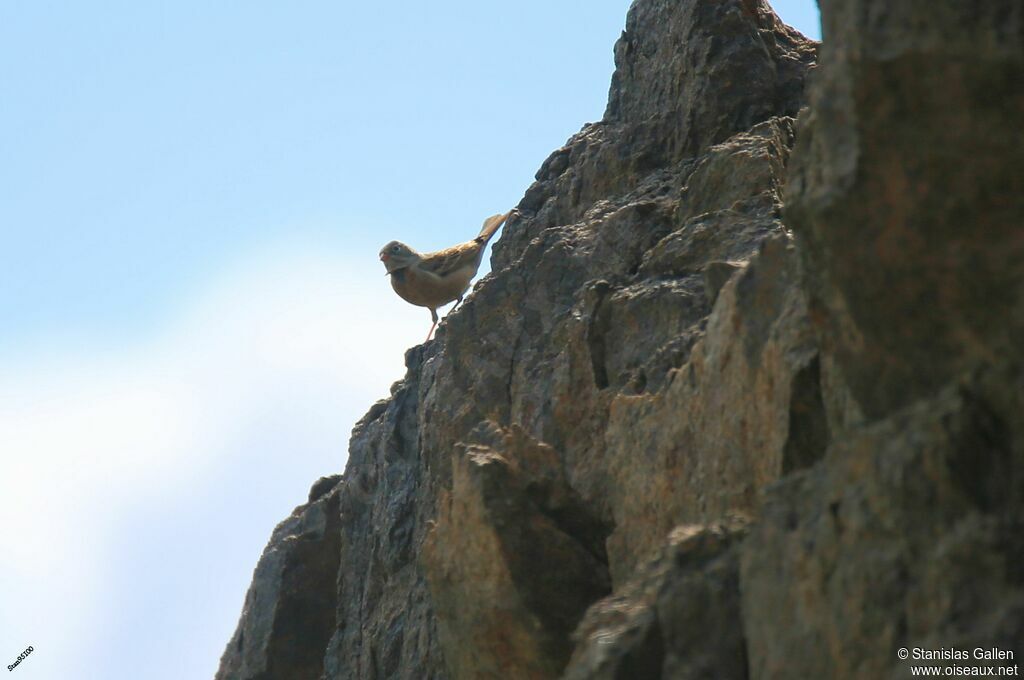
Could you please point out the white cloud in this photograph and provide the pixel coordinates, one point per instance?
(284, 351)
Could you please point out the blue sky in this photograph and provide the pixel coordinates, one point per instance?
(192, 314)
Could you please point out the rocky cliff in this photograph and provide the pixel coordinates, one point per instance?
(742, 396)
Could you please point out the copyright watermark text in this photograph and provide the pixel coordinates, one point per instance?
(21, 657)
(956, 662)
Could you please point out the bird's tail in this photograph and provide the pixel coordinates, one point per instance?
(491, 225)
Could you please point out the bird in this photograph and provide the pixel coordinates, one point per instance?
(432, 280)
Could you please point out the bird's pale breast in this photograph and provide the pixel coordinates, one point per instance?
(425, 289)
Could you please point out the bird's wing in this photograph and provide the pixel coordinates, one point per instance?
(446, 261)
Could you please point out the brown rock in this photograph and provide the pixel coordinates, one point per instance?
(512, 562)
(909, 536)
(677, 618)
(907, 192)
(907, 199)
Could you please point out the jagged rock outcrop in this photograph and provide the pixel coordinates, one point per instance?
(683, 431)
(290, 611)
(509, 512)
(676, 618)
(907, 196)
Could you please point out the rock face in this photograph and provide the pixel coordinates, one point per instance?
(907, 198)
(682, 431)
(289, 610)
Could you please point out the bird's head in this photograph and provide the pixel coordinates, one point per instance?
(397, 255)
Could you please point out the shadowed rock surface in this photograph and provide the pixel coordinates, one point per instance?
(676, 618)
(907, 197)
(290, 609)
(681, 431)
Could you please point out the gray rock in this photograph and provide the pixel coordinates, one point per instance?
(386, 626)
(624, 396)
(289, 610)
(655, 348)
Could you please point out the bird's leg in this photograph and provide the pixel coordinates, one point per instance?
(457, 301)
(433, 315)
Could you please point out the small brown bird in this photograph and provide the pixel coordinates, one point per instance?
(432, 280)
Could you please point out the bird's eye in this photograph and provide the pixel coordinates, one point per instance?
(395, 249)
